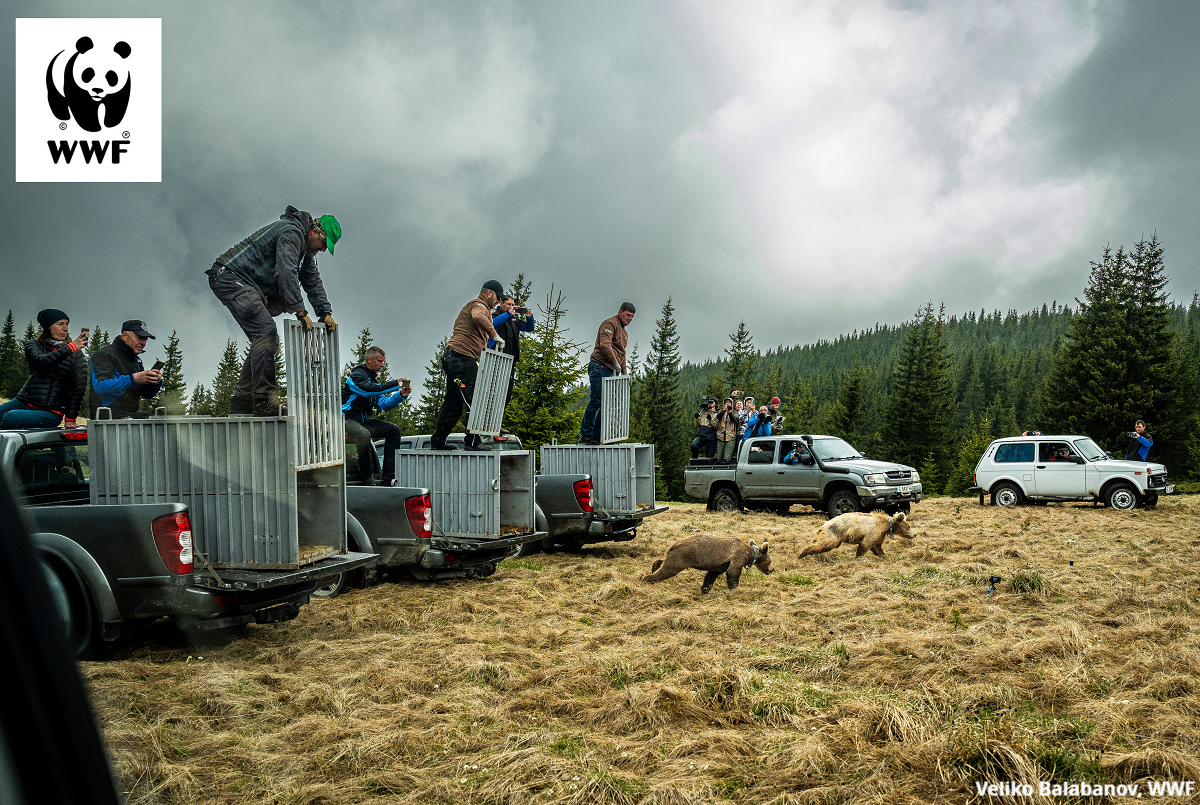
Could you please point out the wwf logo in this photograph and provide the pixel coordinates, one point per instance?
(93, 78)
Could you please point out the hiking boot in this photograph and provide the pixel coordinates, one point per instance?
(268, 409)
(241, 406)
(442, 446)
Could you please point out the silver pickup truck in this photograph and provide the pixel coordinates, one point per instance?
(825, 472)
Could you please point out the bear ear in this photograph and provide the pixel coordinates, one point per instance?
(900, 517)
(752, 543)
(765, 545)
(83, 44)
(122, 49)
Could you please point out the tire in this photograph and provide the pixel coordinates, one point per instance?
(726, 499)
(529, 548)
(340, 584)
(1121, 497)
(842, 502)
(1007, 495)
(1150, 500)
(76, 613)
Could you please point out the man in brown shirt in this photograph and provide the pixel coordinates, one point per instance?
(606, 360)
(460, 362)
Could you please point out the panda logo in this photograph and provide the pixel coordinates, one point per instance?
(92, 79)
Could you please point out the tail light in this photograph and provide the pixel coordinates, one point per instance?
(173, 536)
(420, 515)
(499, 438)
(583, 494)
(75, 435)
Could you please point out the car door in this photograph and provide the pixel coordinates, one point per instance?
(1057, 473)
(794, 481)
(757, 473)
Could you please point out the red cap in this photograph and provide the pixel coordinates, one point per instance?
(774, 401)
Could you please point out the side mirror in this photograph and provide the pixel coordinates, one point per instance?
(1078, 459)
(809, 460)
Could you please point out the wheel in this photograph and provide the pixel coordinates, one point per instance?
(726, 499)
(529, 548)
(841, 502)
(336, 586)
(1122, 496)
(1007, 495)
(74, 608)
(1150, 500)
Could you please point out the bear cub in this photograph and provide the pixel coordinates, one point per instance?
(713, 555)
(867, 531)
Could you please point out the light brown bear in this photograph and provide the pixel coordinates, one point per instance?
(867, 531)
(713, 555)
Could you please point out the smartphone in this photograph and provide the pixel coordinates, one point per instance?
(157, 367)
(85, 332)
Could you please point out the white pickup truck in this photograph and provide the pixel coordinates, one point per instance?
(1038, 469)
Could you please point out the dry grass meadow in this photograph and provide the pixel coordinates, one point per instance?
(564, 679)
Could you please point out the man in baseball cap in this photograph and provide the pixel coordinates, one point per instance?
(472, 329)
(119, 380)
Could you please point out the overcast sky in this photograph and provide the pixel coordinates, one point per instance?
(809, 167)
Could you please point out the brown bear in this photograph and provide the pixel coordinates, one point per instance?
(713, 555)
(867, 531)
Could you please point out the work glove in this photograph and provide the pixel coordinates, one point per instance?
(68, 422)
(329, 322)
(305, 322)
(500, 343)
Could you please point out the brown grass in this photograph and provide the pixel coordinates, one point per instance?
(564, 679)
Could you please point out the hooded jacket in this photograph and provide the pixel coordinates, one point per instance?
(112, 370)
(276, 260)
(57, 377)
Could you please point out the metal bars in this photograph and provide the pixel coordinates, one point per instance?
(614, 409)
(481, 495)
(622, 474)
(491, 387)
(314, 389)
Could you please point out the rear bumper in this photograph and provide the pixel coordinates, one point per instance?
(242, 579)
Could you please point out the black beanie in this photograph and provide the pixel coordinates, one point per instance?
(51, 315)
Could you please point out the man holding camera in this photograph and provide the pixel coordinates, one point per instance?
(727, 432)
(510, 321)
(706, 428)
(361, 395)
(606, 360)
(1140, 442)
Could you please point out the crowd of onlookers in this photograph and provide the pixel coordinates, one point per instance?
(721, 427)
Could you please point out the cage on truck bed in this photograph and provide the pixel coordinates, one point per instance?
(622, 474)
(474, 495)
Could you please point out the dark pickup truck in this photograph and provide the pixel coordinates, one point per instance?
(111, 568)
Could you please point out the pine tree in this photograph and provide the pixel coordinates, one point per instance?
(743, 360)
(358, 354)
(800, 408)
(520, 290)
(773, 385)
(226, 380)
(664, 409)
(430, 404)
(716, 387)
(977, 436)
(172, 396)
(545, 399)
(918, 420)
(12, 360)
(98, 341)
(201, 403)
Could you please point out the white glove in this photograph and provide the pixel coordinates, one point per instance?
(499, 343)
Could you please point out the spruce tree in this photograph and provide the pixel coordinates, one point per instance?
(977, 436)
(12, 360)
(549, 386)
(426, 413)
(358, 354)
(172, 395)
(520, 290)
(743, 362)
(201, 403)
(800, 408)
(917, 423)
(664, 409)
(98, 341)
(773, 385)
(226, 380)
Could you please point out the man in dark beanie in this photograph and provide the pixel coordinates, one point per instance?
(261, 277)
(57, 377)
(472, 329)
(119, 381)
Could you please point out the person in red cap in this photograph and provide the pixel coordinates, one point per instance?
(776, 419)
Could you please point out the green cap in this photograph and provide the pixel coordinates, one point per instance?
(333, 230)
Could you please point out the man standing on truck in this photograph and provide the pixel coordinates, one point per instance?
(119, 381)
(261, 277)
(472, 329)
(605, 360)
(510, 321)
(361, 395)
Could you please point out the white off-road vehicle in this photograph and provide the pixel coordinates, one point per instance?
(1038, 469)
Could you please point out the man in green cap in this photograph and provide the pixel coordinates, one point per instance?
(261, 277)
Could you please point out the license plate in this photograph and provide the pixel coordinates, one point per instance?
(903, 490)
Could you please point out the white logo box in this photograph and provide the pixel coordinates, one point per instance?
(134, 138)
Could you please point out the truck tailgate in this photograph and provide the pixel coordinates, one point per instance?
(472, 544)
(242, 579)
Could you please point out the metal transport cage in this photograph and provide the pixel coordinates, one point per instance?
(249, 506)
(491, 387)
(614, 408)
(485, 495)
(622, 474)
(314, 394)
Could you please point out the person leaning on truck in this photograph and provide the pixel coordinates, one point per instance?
(1140, 442)
(472, 329)
(362, 393)
(119, 380)
(57, 377)
(609, 354)
(261, 277)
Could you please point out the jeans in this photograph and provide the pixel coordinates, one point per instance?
(709, 445)
(456, 367)
(589, 430)
(363, 434)
(16, 414)
(256, 383)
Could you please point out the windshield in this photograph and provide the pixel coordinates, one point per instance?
(834, 449)
(1089, 450)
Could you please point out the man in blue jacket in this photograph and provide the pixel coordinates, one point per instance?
(1140, 443)
(510, 321)
(119, 380)
(261, 277)
(361, 395)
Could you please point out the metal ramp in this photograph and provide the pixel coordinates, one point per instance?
(614, 408)
(491, 387)
(314, 394)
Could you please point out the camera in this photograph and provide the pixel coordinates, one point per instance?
(521, 311)
(778, 421)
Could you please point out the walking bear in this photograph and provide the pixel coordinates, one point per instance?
(867, 531)
(713, 555)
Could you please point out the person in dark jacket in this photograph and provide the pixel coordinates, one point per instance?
(361, 395)
(57, 377)
(1140, 442)
(261, 277)
(119, 380)
(510, 321)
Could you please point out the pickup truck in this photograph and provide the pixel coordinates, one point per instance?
(111, 568)
(566, 509)
(830, 476)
